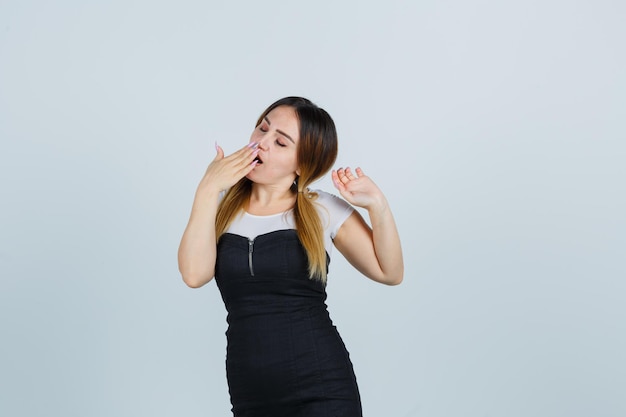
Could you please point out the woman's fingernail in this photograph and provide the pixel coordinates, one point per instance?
(216, 147)
(253, 145)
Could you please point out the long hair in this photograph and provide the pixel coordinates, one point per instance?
(317, 152)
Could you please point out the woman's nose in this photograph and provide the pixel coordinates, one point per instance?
(263, 143)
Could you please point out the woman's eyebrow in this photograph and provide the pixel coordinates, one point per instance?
(279, 131)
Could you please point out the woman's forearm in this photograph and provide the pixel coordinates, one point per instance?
(197, 250)
(386, 242)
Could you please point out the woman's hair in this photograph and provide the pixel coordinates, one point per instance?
(317, 151)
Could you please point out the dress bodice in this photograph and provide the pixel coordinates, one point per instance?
(268, 273)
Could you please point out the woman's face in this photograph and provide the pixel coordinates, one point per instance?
(278, 137)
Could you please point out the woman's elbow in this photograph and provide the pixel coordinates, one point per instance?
(396, 277)
(389, 278)
(395, 280)
(196, 280)
(191, 283)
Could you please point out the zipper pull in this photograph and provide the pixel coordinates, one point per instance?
(250, 250)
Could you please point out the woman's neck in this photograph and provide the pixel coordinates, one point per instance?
(266, 200)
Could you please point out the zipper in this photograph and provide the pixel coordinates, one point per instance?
(250, 250)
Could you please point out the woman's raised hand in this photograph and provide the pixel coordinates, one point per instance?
(224, 171)
(359, 189)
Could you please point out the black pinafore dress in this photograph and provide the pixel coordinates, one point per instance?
(284, 356)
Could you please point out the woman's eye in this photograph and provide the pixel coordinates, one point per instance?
(279, 143)
(263, 129)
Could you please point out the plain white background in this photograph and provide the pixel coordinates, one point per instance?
(496, 130)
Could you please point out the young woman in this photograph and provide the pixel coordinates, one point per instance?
(267, 239)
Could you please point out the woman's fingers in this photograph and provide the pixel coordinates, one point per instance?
(241, 159)
(245, 153)
(345, 175)
(357, 188)
(342, 175)
(243, 163)
(219, 152)
(224, 171)
(336, 180)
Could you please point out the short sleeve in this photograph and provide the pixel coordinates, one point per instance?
(333, 212)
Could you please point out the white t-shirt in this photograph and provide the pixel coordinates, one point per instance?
(333, 211)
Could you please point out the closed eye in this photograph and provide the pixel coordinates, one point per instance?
(264, 127)
(279, 143)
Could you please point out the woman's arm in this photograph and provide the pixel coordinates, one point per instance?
(198, 246)
(376, 252)
(197, 250)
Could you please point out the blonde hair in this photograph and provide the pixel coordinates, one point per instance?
(317, 152)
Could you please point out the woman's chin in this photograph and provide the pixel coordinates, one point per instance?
(252, 175)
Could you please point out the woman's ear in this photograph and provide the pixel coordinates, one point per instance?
(298, 172)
